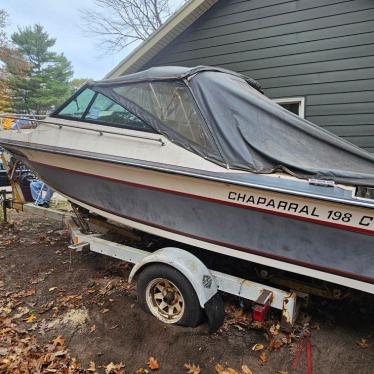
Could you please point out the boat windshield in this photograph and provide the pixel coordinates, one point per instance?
(77, 105)
(170, 103)
(90, 106)
(106, 110)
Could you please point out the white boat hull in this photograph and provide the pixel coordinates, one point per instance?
(204, 214)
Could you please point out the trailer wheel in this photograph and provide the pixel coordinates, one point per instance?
(168, 295)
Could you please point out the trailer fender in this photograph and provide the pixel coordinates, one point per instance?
(189, 265)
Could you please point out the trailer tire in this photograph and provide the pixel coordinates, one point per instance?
(167, 294)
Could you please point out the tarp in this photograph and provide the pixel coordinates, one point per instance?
(161, 73)
(258, 135)
(253, 133)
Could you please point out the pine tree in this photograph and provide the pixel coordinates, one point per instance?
(38, 78)
(4, 89)
(77, 83)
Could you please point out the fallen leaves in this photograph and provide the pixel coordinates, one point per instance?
(46, 307)
(58, 341)
(220, 369)
(21, 294)
(114, 368)
(263, 358)
(98, 286)
(363, 343)
(70, 299)
(92, 329)
(31, 318)
(25, 355)
(42, 237)
(60, 354)
(192, 368)
(153, 364)
(274, 329)
(258, 347)
(258, 325)
(92, 367)
(141, 371)
(5, 311)
(276, 343)
(246, 370)
(237, 317)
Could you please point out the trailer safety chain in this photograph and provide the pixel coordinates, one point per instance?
(83, 224)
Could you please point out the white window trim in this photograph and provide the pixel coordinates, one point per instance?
(293, 100)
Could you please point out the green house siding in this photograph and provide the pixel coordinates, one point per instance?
(322, 50)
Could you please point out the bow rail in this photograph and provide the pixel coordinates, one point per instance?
(37, 119)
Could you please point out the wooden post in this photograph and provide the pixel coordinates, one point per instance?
(4, 204)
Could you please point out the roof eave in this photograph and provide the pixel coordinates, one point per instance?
(173, 27)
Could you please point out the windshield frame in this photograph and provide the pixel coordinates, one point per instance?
(55, 113)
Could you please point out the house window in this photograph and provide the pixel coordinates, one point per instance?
(295, 105)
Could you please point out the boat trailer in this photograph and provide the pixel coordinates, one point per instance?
(205, 282)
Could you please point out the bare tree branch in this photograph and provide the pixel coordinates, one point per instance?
(119, 23)
(3, 23)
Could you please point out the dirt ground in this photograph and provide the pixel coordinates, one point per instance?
(47, 291)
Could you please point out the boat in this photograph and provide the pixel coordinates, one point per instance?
(201, 156)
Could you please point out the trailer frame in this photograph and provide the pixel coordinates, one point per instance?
(207, 283)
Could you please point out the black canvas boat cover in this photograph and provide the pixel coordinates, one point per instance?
(249, 131)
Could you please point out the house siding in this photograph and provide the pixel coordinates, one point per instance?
(322, 50)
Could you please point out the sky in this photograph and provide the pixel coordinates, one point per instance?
(61, 19)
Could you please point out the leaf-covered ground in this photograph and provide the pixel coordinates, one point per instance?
(68, 312)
